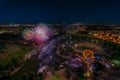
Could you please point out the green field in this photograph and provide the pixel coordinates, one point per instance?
(12, 51)
(17, 52)
(116, 61)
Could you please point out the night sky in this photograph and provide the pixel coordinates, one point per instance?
(58, 11)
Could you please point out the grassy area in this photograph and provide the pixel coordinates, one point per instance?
(55, 77)
(31, 65)
(115, 61)
(16, 51)
(13, 51)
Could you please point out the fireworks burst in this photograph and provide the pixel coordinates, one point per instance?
(27, 34)
(39, 34)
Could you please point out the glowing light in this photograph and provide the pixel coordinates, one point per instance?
(27, 34)
(39, 34)
(88, 54)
